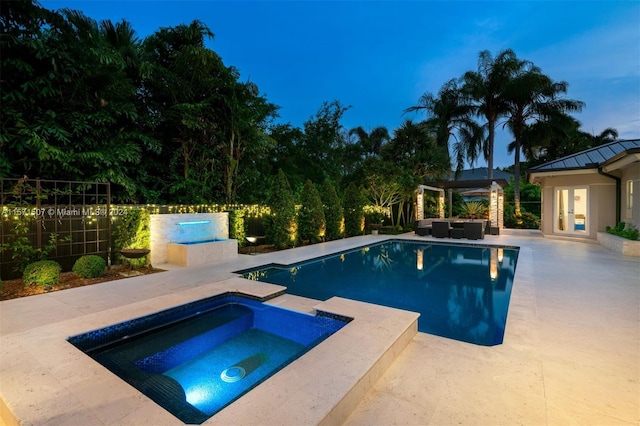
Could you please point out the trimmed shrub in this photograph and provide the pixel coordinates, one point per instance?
(524, 221)
(236, 226)
(311, 220)
(333, 212)
(89, 266)
(353, 211)
(281, 226)
(624, 230)
(42, 273)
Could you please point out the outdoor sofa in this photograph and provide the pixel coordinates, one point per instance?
(455, 228)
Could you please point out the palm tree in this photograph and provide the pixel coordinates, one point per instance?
(450, 114)
(559, 135)
(412, 156)
(415, 150)
(607, 135)
(532, 96)
(486, 88)
(555, 137)
(371, 142)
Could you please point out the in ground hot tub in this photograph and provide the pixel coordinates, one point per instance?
(195, 359)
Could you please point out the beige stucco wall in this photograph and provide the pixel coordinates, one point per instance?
(601, 198)
(632, 172)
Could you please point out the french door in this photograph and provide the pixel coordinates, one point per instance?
(571, 209)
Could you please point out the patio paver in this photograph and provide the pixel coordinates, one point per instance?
(571, 351)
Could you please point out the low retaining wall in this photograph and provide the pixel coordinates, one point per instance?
(199, 253)
(619, 244)
(165, 229)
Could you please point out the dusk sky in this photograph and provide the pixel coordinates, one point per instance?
(380, 57)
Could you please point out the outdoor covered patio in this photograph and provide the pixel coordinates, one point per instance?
(492, 189)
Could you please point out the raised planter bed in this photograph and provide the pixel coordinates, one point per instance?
(619, 244)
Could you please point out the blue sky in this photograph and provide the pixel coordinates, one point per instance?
(380, 57)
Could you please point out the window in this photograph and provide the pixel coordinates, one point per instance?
(629, 198)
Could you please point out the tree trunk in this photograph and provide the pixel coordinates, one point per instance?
(490, 141)
(516, 177)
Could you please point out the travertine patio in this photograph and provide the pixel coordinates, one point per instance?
(571, 351)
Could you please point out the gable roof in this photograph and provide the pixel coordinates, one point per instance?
(591, 158)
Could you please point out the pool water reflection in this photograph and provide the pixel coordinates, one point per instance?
(461, 291)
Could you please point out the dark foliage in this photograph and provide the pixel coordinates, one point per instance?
(281, 224)
(353, 212)
(311, 219)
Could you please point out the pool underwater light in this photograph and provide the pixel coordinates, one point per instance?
(233, 374)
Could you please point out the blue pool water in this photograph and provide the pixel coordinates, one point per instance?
(195, 359)
(461, 291)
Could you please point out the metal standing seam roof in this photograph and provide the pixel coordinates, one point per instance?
(590, 158)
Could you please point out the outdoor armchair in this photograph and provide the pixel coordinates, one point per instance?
(474, 230)
(440, 229)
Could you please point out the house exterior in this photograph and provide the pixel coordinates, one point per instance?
(585, 192)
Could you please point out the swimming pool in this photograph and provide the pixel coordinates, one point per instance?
(461, 291)
(195, 359)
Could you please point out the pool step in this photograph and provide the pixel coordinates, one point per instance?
(296, 303)
(326, 384)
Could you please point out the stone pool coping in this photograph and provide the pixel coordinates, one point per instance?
(569, 356)
(47, 380)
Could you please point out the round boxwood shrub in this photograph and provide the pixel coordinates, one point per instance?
(42, 273)
(89, 266)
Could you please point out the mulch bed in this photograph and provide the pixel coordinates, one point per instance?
(264, 248)
(12, 289)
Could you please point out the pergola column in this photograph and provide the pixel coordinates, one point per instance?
(496, 205)
(420, 201)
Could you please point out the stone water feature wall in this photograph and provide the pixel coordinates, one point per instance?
(165, 229)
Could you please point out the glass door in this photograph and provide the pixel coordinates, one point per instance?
(571, 210)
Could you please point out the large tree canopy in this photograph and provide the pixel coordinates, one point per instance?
(165, 120)
(67, 89)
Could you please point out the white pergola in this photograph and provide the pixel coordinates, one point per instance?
(420, 201)
(495, 194)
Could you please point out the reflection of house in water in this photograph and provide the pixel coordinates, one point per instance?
(489, 268)
(472, 301)
(490, 261)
